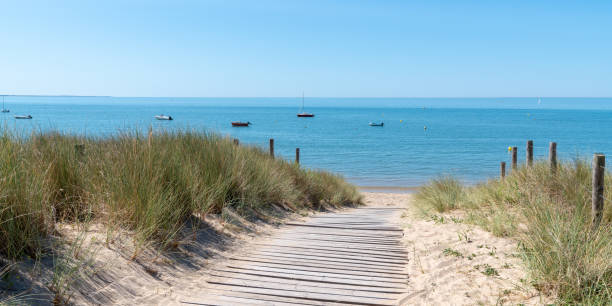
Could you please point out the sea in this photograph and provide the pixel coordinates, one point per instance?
(422, 138)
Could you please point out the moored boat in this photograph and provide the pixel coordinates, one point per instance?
(163, 117)
(302, 113)
(23, 116)
(377, 124)
(240, 123)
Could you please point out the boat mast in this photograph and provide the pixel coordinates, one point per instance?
(302, 109)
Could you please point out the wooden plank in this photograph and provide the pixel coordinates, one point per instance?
(247, 277)
(329, 255)
(324, 259)
(336, 250)
(312, 278)
(356, 242)
(307, 295)
(301, 287)
(319, 273)
(384, 229)
(361, 267)
(345, 234)
(322, 269)
(212, 294)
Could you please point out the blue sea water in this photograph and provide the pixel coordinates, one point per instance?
(466, 137)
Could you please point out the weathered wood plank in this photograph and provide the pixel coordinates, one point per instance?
(301, 287)
(256, 299)
(321, 274)
(247, 277)
(335, 250)
(321, 279)
(311, 262)
(332, 255)
(355, 228)
(337, 260)
(307, 295)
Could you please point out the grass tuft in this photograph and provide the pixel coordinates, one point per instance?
(550, 215)
(149, 184)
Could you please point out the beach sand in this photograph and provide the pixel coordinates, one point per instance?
(452, 263)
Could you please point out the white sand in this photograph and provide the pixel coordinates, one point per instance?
(457, 276)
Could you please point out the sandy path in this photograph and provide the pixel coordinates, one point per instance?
(380, 254)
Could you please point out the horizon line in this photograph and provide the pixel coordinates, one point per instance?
(315, 97)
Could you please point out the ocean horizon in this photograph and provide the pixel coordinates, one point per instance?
(422, 138)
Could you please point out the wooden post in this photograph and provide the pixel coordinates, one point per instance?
(79, 149)
(552, 156)
(236, 141)
(502, 170)
(599, 164)
(272, 147)
(514, 157)
(150, 136)
(529, 160)
(297, 155)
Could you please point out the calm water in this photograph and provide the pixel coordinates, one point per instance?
(464, 137)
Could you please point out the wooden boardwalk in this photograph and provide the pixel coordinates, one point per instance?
(352, 257)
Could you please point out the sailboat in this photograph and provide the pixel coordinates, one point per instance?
(4, 110)
(302, 113)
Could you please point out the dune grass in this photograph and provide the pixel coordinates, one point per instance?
(148, 184)
(550, 216)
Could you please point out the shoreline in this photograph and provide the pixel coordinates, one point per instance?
(389, 189)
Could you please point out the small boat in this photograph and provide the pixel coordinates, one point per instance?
(23, 116)
(163, 117)
(302, 113)
(4, 110)
(377, 124)
(240, 123)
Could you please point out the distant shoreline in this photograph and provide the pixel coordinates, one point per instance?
(389, 189)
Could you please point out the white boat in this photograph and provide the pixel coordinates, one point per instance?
(4, 110)
(163, 117)
(377, 124)
(23, 116)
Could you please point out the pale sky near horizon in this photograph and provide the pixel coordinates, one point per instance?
(279, 48)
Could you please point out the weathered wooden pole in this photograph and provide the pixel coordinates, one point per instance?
(79, 149)
(272, 147)
(529, 160)
(236, 141)
(514, 157)
(502, 170)
(297, 155)
(599, 165)
(552, 156)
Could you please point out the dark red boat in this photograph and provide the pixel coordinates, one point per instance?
(302, 113)
(240, 123)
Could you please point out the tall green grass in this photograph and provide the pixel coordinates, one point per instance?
(550, 215)
(149, 185)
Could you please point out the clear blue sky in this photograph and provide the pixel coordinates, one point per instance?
(332, 48)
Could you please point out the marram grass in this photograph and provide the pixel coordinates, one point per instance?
(149, 185)
(550, 216)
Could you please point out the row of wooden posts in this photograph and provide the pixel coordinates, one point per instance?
(599, 165)
(297, 150)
